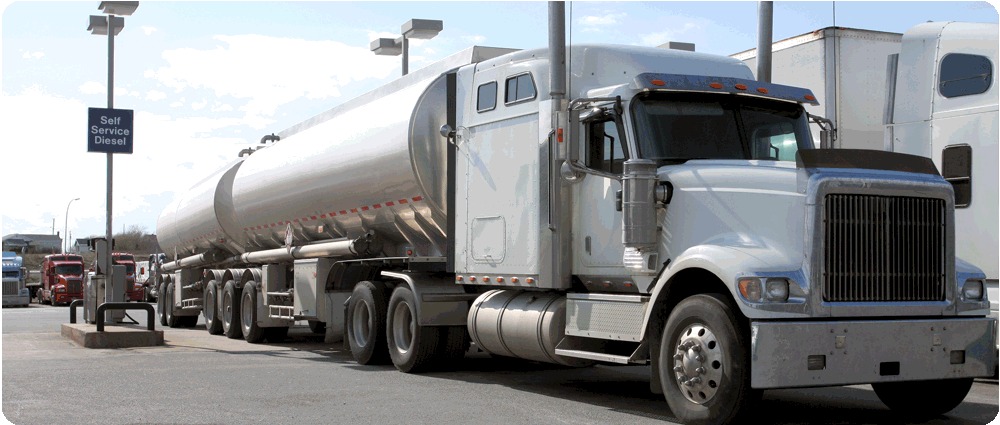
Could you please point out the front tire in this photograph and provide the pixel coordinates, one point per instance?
(231, 310)
(366, 323)
(923, 399)
(704, 362)
(252, 332)
(210, 308)
(413, 348)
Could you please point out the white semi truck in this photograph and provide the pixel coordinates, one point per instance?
(669, 210)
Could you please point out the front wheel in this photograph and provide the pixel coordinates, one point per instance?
(923, 399)
(704, 362)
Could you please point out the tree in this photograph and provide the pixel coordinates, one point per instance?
(130, 240)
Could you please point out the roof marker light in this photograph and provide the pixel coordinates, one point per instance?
(762, 90)
(810, 97)
(741, 86)
(715, 85)
(657, 82)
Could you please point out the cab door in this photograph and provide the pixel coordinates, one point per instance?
(597, 233)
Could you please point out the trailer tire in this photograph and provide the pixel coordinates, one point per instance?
(413, 348)
(187, 321)
(161, 304)
(276, 335)
(366, 323)
(317, 327)
(231, 311)
(923, 399)
(172, 319)
(210, 308)
(252, 332)
(715, 354)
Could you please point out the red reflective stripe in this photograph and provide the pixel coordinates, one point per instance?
(296, 220)
(313, 218)
(364, 208)
(389, 204)
(402, 201)
(376, 206)
(354, 210)
(418, 199)
(321, 216)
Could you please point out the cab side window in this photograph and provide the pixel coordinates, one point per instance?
(964, 75)
(605, 152)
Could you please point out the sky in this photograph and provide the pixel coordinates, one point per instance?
(208, 79)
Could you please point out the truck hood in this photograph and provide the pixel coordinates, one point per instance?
(750, 205)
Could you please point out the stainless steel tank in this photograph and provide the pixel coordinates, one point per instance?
(202, 218)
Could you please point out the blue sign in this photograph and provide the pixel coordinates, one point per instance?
(109, 130)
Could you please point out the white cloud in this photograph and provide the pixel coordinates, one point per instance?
(429, 51)
(93, 87)
(221, 107)
(235, 69)
(196, 106)
(606, 20)
(148, 30)
(176, 104)
(149, 74)
(656, 39)
(155, 95)
(36, 55)
(473, 39)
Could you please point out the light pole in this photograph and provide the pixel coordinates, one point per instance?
(66, 224)
(425, 29)
(111, 25)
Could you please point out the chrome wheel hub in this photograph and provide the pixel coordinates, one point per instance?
(698, 363)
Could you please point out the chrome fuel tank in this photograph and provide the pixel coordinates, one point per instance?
(202, 218)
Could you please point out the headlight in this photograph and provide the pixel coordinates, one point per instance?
(777, 290)
(973, 289)
(60, 289)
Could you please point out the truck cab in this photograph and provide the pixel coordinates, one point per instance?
(14, 275)
(133, 290)
(62, 279)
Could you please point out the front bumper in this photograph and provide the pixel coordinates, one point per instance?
(66, 297)
(867, 351)
(133, 295)
(16, 300)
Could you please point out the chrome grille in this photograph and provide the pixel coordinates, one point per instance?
(10, 287)
(74, 286)
(882, 248)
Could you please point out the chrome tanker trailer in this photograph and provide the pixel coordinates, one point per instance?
(667, 209)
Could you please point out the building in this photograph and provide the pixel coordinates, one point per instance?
(25, 243)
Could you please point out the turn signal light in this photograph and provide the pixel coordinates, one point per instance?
(750, 289)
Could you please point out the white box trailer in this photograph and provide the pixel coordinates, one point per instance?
(670, 211)
(845, 68)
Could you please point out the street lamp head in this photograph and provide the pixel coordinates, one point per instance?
(422, 28)
(99, 24)
(121, 8)
(386, 47)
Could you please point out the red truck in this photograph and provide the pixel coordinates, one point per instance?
(132, 292)
(62, 279)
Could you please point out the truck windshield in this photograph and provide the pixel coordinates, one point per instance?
(69, 269)
(674, 128)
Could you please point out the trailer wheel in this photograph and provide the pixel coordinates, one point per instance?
(413, 348)
(317, 327)
(169, 307)
(231, 311)
(366, 323)
(187, 321)
(210, 308)
(161, 308)
(454, 343)
(276, 335)
(704, 362)
(252, 332)
(923, 399)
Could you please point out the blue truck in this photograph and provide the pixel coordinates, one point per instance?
(15, 292)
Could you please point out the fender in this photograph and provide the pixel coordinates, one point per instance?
(728, 263)
(440, 302)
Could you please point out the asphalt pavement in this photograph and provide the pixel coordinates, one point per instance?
(202, 378)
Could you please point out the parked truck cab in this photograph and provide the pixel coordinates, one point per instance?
(14, 276)
(62, 279)
(133, 290)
